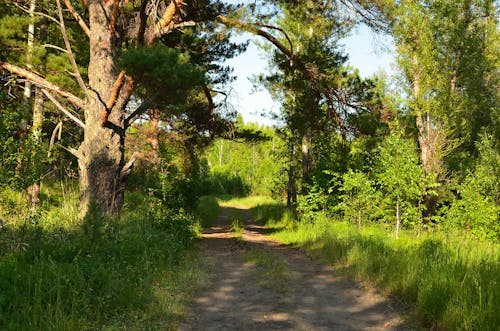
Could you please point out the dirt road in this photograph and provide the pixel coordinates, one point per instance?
(258, 284)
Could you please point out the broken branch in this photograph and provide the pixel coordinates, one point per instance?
(114, 96)
(164, 21)
(145, 105)
(42, 82)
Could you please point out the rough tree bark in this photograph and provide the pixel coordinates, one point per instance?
(101, 156)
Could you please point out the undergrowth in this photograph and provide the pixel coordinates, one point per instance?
(135, 273)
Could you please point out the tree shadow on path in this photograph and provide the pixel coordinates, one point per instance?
(299, 295)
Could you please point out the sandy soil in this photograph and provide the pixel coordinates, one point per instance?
(309, 298)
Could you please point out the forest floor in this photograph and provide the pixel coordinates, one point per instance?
(259, 284)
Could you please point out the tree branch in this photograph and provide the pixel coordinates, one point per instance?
(68, 48)
(76, 153)
(143, 19)
(53, 19)
(54, 47)
(167, 17)
(57, 129)
(62, 109)
(127, 168)
(145, 105)
(42, 82)
(77, 17)
(251, 27)
(113, 97)
(114, 15)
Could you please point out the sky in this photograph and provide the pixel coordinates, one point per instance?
(368, 52)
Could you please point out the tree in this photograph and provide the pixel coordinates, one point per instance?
(104, 98)
(318, 92)
(399, 174)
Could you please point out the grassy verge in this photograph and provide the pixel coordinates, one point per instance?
(450, 282)
(135, 273)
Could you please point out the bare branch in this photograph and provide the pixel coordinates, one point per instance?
(54, 47)
(68, 48)
(76, 153)
(128, 166)
(283, 32)
(77, 17)
(143, 17)
(53, 19)
(62, 109)
(251, 27)
(57, 129)
(42, 82)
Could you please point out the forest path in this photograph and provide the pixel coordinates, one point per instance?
(259, 284)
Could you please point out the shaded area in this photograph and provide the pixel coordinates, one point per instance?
(310, 298)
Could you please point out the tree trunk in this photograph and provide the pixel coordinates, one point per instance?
(33, 190)
(101, 156)
(398, 220)
(430, 139)
(306, 145)
(291, 198)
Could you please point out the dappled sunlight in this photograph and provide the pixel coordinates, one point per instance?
(260, 284)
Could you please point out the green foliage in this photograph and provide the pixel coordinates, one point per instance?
(312, 204)
(477, 209)
(137, 275)
(164, 70)
(22, 158)
(399, 174)
(207, 210)
(251, 165)
(359, 199)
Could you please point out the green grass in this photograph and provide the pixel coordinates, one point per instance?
(448, 281)
(207, 210)
(236, 222)
(272, 272)
(245, 202)
(135, 273)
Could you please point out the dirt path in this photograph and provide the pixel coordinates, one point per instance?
(258, 284)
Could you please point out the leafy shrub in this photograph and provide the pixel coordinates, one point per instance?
(477, 209)
(359, 199)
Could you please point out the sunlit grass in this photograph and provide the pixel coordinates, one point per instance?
(245, 202)
(137, 275)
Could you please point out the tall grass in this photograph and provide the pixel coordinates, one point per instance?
(135, 274)
(207, 210)
(450, 282)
